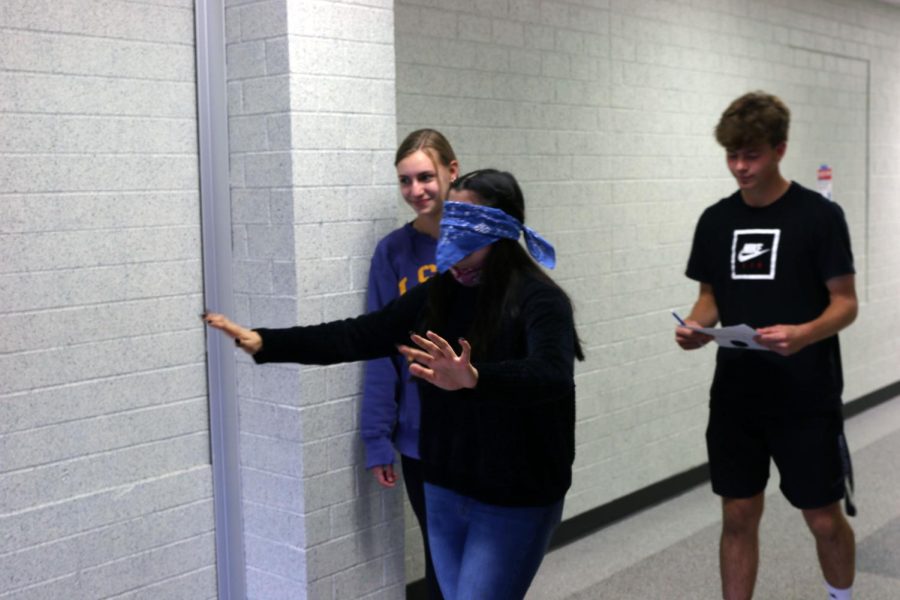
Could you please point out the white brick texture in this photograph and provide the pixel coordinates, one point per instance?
(312, 133)
(104, 440)
(604, 111)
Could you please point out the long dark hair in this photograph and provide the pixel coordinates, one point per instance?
(506, 266)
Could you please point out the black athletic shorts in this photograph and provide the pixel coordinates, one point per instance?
(809, 451)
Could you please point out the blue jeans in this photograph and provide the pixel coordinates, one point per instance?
(484, 550)
(415, 491)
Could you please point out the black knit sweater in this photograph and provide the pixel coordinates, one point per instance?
(509, 441)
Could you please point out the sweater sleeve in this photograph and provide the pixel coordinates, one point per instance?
(379, 410)
(364, 337)
(547, 369)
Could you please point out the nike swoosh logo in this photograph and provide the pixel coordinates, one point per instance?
(745, 256)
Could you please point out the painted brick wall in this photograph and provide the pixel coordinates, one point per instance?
(343, 141)
(105, 482)
(605, 110)
(264, 284)
(312, 133)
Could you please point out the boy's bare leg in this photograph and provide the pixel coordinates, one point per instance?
(739, 546)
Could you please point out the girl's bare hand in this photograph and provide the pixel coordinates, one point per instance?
(248, 340)
(436, 362)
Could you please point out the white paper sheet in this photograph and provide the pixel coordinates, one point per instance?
(734, 336)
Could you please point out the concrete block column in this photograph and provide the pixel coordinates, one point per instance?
(312, 131)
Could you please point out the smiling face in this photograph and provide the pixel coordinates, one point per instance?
(424, 183)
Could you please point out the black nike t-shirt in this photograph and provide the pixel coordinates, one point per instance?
(768, 266)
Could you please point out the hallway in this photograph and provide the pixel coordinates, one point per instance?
(670, 551)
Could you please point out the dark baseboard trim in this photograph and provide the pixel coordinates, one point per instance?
(593, 520)
(589, 522)
(871, 400)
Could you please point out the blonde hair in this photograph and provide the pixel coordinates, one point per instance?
(431, 142)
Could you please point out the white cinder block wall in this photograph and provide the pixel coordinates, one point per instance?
(105, 482)
(263, 254)
(312, 135)
(604, 110)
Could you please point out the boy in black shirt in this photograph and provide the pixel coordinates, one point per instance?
(777, 257)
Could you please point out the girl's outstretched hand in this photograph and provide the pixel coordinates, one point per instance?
(436, 362)
(248, 340)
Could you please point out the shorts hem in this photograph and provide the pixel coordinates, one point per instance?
(736, 496)
(814, 505)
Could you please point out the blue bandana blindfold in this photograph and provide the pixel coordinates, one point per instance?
(466, 228)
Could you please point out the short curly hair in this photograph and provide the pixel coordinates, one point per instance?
(753, 119)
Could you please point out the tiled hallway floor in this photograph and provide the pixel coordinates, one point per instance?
(670, 551)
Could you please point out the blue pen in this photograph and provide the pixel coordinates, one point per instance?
(679, 319)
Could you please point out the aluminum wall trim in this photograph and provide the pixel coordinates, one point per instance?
(215, 208)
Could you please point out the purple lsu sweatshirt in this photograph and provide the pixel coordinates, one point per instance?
(390, 406)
